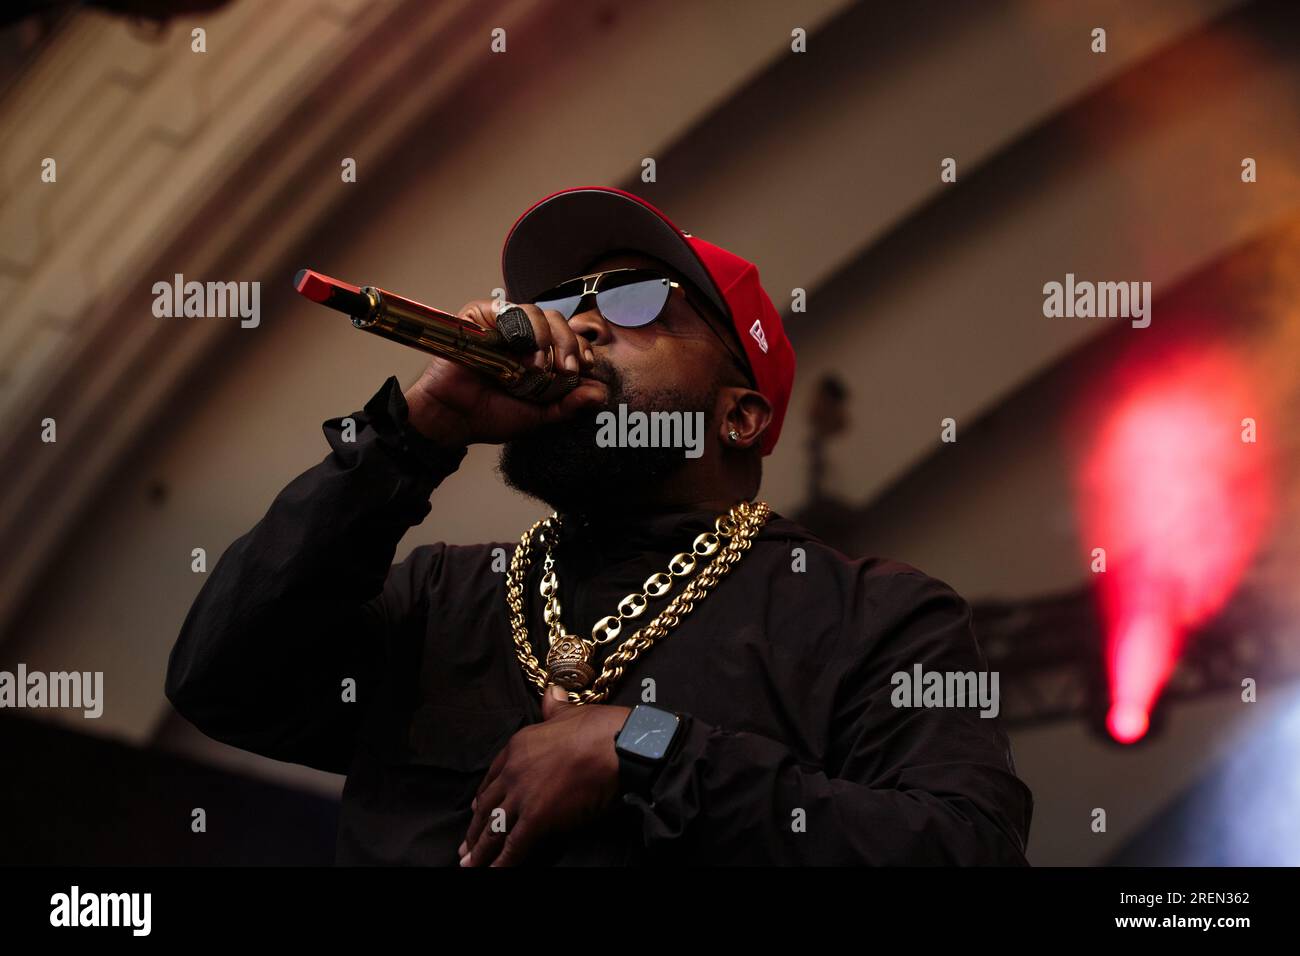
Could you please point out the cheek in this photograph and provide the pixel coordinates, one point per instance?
(652, 360)
(634, 345)
(640, 358)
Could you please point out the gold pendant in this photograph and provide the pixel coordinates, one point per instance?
(568, 662)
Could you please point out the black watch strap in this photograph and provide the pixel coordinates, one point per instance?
(637, 774)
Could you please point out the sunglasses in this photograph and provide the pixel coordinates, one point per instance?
(629, 298)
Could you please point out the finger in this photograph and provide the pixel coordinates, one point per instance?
(541, 329)
(555, 701)
(489, 802)
(514, 850)
(553, 330)
(480, 312)
(517, 330)
(488, 312)
(568, 348)
(485, 849)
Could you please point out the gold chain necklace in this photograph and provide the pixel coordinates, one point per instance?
(569, 661)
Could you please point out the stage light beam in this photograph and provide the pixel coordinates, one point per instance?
(1179, 503)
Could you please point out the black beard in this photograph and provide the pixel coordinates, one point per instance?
(562, 466)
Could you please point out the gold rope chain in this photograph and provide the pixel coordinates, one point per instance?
(739, 526)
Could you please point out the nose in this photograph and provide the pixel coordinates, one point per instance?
(589, 324)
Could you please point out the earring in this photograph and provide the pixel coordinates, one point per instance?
(733, 435)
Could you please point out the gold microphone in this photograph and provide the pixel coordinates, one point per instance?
(443, 334)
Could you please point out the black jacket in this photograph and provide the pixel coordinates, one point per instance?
(793, 750)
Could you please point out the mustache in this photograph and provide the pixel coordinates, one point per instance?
(608, 375)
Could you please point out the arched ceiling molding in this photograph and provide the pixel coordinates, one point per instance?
(1138, 181)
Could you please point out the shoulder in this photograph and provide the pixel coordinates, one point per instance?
(875, 581)
(877, 601)
(903, 589)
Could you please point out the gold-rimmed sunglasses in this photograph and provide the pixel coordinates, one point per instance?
(633, 298)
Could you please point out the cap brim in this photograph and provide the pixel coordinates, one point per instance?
(560, 236)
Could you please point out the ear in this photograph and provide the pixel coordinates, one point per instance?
(750, 417)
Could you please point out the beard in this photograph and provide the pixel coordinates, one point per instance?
(562, 465)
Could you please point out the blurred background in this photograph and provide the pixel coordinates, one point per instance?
(1164, 689)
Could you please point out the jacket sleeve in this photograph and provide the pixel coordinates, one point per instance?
(309, 597)
(902, 785)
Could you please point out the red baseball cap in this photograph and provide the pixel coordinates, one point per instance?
(558, 236)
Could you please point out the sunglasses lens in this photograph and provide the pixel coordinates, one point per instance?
(563, 305)
(634, 304)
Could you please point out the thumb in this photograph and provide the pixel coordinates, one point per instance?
(555, 701)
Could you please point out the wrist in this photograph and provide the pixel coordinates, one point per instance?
(610, 758)
(647, 742)
(434, 420)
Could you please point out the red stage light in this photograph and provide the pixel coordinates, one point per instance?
(1127, 723)
(1179, 502)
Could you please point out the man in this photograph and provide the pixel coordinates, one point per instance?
(756, 719)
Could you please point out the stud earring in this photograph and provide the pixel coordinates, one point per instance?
(733, 435)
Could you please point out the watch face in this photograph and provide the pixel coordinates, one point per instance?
(648, 732)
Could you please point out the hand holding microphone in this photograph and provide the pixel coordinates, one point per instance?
(453, 404)
(492, 377)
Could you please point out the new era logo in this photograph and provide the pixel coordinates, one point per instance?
(760, 337)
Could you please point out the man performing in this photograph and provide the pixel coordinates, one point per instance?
(662, 671)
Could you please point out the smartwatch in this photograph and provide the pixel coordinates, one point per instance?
(644, 745)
